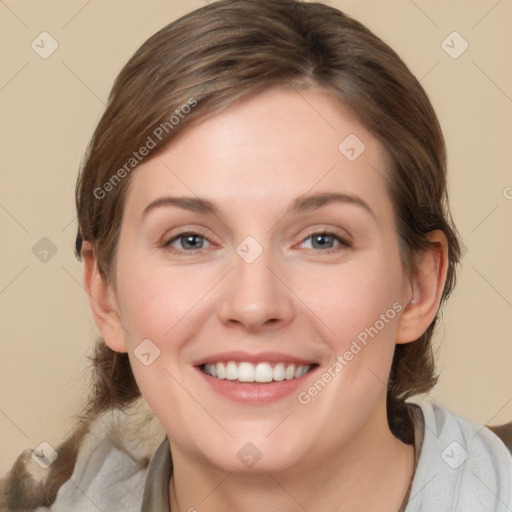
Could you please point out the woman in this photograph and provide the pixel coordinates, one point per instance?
(266, 240)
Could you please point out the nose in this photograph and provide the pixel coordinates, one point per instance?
(256, 297)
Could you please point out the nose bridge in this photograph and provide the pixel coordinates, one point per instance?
(254, 296)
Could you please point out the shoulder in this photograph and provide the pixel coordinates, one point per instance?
(109, 472)
(105, 478)
(462, 465)
(111, 467)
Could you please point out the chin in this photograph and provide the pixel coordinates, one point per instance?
(255, 454)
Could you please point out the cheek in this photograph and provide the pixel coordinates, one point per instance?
(360, 305)
(350, 298)
(157, 300)
(167, 305)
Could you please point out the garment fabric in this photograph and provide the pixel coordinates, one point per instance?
(460, 467)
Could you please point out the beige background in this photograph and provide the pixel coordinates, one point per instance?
(51, 106)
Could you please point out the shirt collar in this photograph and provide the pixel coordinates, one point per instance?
(156, 488)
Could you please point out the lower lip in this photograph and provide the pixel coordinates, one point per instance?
(255, 392)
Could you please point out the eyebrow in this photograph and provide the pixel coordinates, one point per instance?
(186, 203)
(307, 202)
(301, 204)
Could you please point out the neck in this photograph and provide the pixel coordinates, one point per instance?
(372, 474)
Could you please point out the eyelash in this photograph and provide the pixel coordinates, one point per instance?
(167, 245)
(342, 242)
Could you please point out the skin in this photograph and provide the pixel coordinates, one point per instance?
(252, 161)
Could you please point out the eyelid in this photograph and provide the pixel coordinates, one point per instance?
(171, 236)
(343, 242)
(184, 234)
(339, 233)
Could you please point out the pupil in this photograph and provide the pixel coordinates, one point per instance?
(192, 242)
(323, 240)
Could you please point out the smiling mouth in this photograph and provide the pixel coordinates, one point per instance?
(259, 373)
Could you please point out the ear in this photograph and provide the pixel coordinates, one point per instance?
(427, 286)
(102, 300)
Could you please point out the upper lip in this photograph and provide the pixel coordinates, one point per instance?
(260, 357)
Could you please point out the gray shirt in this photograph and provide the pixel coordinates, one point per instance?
(460, 467)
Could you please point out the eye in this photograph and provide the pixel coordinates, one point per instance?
(325, 242)
(186, 242)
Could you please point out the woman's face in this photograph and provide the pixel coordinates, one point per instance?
(260, 245)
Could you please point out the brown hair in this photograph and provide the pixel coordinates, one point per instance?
(229, 50)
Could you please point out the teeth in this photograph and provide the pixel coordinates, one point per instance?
(261, 372)
(245, 372)
(221, 371)
(278, 373)
(289, 372)
(231, 371)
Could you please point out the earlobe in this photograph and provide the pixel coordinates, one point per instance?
(427, 285)
(102, 301)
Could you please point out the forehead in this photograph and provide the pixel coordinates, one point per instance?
(267, 150)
